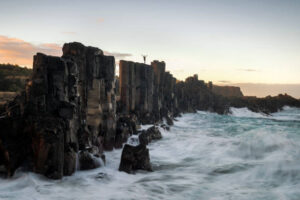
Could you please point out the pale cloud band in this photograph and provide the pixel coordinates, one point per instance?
(117, 55)
(18, 51)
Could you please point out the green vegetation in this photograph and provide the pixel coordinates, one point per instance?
(13, 77)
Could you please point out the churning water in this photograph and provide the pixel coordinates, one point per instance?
(206, 156)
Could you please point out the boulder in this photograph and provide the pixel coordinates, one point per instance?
(88, 161)
(165, 127)
(169, 121)
(126, 126)
(144, 138)
(154, 133)
(135, 158)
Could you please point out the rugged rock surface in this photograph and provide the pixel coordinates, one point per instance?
(227, 91)
(146, 136)
(88, 161)
(135, 158)
(265, 105)
(70, 105)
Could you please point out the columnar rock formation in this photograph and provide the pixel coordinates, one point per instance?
(69, 112)
(136, 84)
(69, 106)
(147, 91)
(227, 91)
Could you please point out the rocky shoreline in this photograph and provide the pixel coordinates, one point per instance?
(74, 108)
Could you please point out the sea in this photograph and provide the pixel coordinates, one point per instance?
(239, 156)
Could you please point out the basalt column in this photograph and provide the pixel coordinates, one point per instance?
(128, 86)
(52, 121)
(144, 104)
(168, 95)
(159, 70)
(98, 104)
(107, 99)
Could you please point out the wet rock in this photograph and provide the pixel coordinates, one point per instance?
(169, 121)
(88, 161)
(4, 160)
(48, 146)
(126, 126)
(165, 127)
(154, 133)
(135, 158)
(69, 162)
(144, 138)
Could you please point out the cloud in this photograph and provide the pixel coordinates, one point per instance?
(178, 70)
(69, 32)
(117, 55)
(223, 81)
(100, 20)
(17, 51)
(248, 70)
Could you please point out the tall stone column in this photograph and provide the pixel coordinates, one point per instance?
(159, 70)
(124, 85)
(107, 99)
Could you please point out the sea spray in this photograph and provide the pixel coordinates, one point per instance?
(204, 156)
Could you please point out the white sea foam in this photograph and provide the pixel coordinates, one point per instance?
(204, 156)
(245, 112)
(286, 114)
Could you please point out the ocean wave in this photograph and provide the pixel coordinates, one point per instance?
(245, 112)
(204, 156)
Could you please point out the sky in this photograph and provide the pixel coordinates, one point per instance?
(224, 41)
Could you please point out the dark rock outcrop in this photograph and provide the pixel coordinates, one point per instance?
(88, 161)
(152, 133)
(265, 105)
(71, 105)
(227, 91)
(135, 158)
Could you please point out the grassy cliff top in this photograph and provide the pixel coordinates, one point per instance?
(12, 77)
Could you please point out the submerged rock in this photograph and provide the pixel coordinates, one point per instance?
(135, 158)
(152, 133)
(169, 121)
(165, 127)
(88, 161)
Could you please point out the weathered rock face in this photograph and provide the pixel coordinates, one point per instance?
(135, 158)
(70, 106)
(97, 91)
(227, 91)
(147, 91)
(146, 136)
(265, 105)
(126, 126)
(136, 88)
(159, 71)
(52, 105)
(88, 161)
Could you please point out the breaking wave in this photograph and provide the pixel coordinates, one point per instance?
(244, 156)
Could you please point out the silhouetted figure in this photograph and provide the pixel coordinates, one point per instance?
(144, 57)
